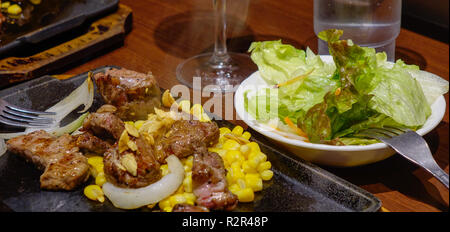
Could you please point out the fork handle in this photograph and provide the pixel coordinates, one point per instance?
(441, 175)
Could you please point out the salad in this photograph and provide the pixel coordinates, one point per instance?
(329, 103)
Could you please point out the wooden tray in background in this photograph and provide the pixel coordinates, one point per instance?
(101, 34)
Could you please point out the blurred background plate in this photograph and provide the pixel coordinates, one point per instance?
(45, 24)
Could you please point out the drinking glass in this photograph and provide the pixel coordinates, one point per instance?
(368, 23)
(219, 71)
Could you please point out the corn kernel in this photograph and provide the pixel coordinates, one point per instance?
(100, 179)
(164, 203)
(187, 182)
(14, 9)
(259, 156)
(93, 171)
(232, 157)
(94, 192)
(95, 160)
(254, 182)
(266, 174)
(236, 172)
(264, 166)
(231, 144)
(245, 150)
(219, 151)
(190, 198)
(164, 169)
(229, 178)
(237, 130)
(177, 199)
(246, 135)
(5, 5)
(245, 195)
(241, 183)
(247, 168)
(198, 112)
(190, 161)
(254, 146)
(253, 162)
(167, 209)
(234, 188)
(99, 167)
(180, 190)
(224, 130)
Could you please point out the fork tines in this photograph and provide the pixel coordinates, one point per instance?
(21, 117)
(382, 132)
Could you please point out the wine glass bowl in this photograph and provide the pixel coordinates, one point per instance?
(215, 76)
(219, 71)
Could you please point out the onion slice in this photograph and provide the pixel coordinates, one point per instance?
(126, 198)
(69, 128)
(83, 95)
(2, 147)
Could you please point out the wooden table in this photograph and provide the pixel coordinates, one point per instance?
(167, 32)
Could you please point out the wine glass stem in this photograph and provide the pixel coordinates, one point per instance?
(220, 56)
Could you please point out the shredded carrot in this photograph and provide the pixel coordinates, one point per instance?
(338, 91)
(294, 79)
(294, 127)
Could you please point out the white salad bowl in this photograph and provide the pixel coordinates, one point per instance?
(329, 155)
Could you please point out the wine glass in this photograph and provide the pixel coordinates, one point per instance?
(219, 71)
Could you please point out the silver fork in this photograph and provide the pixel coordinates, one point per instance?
(410, 145)
(20, 117)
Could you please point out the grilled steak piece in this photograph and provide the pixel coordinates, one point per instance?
(91, 143)
(189, 208)
(209, 183)
(134, 94)
(105, 125)
(147, 171)
(64, 166)
(187, 137)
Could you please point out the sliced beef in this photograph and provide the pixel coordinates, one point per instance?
(134, 94)
(90, 143)
(185, 138)
(148, 170)
(189, 208)
(105, 125)
(64, 166)
(209, 182)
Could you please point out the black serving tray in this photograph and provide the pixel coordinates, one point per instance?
(73, 14)
(296, 186)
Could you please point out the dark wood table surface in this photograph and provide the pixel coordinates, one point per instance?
(167, 32)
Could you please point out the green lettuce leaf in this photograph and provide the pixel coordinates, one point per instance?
(395, 92)
(276, 61)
